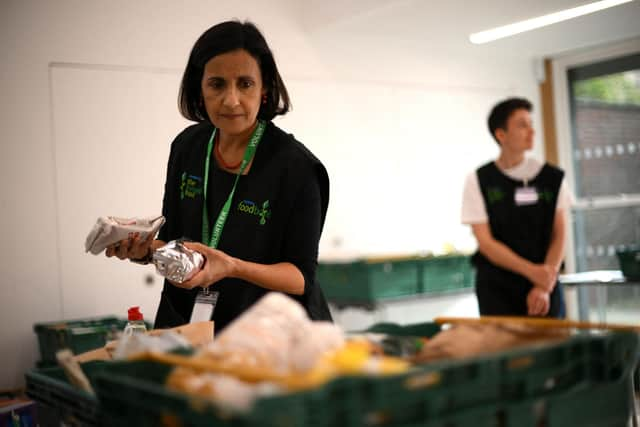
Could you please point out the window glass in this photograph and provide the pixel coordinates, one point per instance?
(605, 118)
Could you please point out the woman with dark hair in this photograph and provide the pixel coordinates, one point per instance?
(253, 196)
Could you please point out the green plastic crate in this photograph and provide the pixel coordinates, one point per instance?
(366, 282)
(78, 335)
(490, 389)
(446, 273)
(481, 416)
(599, 405)
(438, 390)
(369, 281)
(51, 388)
(425, 329)
(139, 398)
(605, 405)
(630, 263)
(134, 394)
(72, 406)
(505, 389)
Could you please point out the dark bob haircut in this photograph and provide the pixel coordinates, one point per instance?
(502, 111)
(222, 38)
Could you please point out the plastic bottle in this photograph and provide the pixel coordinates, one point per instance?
(135, 325)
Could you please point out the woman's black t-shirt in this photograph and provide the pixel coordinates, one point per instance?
(277, 214)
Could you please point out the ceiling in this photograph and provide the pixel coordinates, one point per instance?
(446, 25)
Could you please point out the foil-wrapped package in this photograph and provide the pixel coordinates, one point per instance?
(176, 262)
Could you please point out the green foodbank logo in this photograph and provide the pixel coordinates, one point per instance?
(190, 186)
(252, 208)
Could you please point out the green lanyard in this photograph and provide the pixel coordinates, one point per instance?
(224, 212)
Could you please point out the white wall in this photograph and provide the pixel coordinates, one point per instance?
(397, 127)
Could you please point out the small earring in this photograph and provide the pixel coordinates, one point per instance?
(264, 99)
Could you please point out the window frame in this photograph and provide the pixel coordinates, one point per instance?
(562, 106)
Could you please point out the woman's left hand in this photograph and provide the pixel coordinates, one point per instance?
(217, 266)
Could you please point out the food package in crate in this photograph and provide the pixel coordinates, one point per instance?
(196, 335)
(273, 348)
(472, 340)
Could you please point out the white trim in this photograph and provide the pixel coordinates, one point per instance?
(597, 54)
(560, 65)
(604, 202)
(115, 67)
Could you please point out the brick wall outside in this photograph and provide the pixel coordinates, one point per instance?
(606, 155)
(607, 149)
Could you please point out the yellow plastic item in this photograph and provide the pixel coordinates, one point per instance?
(354, 358)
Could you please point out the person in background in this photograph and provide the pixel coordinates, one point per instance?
(516, 208)
(251, 197)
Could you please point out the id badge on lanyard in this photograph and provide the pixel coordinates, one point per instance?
(206, 299)
(205, 305)
(526, 195)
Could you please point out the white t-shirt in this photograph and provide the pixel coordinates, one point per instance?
(473, 208)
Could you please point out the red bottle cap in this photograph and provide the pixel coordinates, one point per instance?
(134, 313)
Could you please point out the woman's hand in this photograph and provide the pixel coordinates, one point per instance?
(132, 248)
(538, 302)
(543, 276)
(217, 266)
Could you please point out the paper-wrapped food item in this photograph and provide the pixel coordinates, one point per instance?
(272, 338)
(464, 341)
(109, 230)
(274, 335)
(176, 262)
(272, 348)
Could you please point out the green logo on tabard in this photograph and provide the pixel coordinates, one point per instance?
(546, 195)
(190, 186)
(252, 208)
(495, 195)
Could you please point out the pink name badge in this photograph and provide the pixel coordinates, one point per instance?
(526, 196)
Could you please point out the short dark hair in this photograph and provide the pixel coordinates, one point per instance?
(501, 112)
(222, 38)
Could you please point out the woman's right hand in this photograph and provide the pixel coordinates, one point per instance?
(538, 302)
(132, 248)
